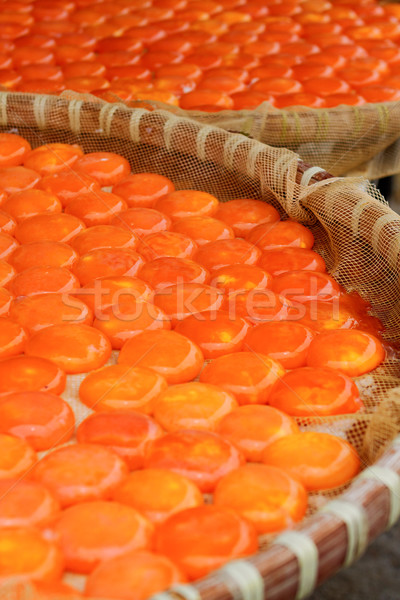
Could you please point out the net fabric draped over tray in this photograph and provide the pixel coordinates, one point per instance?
(345, 140)
(355, 232)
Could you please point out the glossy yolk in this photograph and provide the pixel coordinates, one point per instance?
(244, 215)
(215, 333)
(5, 302)
(203, 229)
(13, 337)
(26, 503)
(125, 432)
(282, 234)
(39, 254)
(13, 149)
(29, 203)
(205, 538)
(120, 387)
(193, 405)
(166, 243)
(316, 391)
(258, 306)
(52, 158)
(108, 291)
(7, 223)
(182, 300)
(167, 271)
(252, 427)
(30, 373)
(49, 227)
(301, 286)
(168, 353)
(41, 310)
(325, 316)
(96, 207)
(143, 189)
(95, 531)
(107, 262)
(286, 342)
(142, 221)
(319, 460)
(249, 376)
(352, 351)
(124, 321)
(187, 203)
(37, 280)
(104, 236)
(130, 568)
(25, 553)
(221, 253)
(18, 179)
(7, 245)
(73, 348)
(7, 273)
(175, 493)
(68, 184)
(80, 472)
(240, 277)
(106, 168)
(44, 420)
(281, 260)
(267, 496)
(17, 457)
(201, 456)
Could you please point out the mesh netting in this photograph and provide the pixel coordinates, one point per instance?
(355, 231)
(351, 140)
(346, 140)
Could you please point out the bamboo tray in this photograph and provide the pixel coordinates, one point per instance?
(349, 221)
